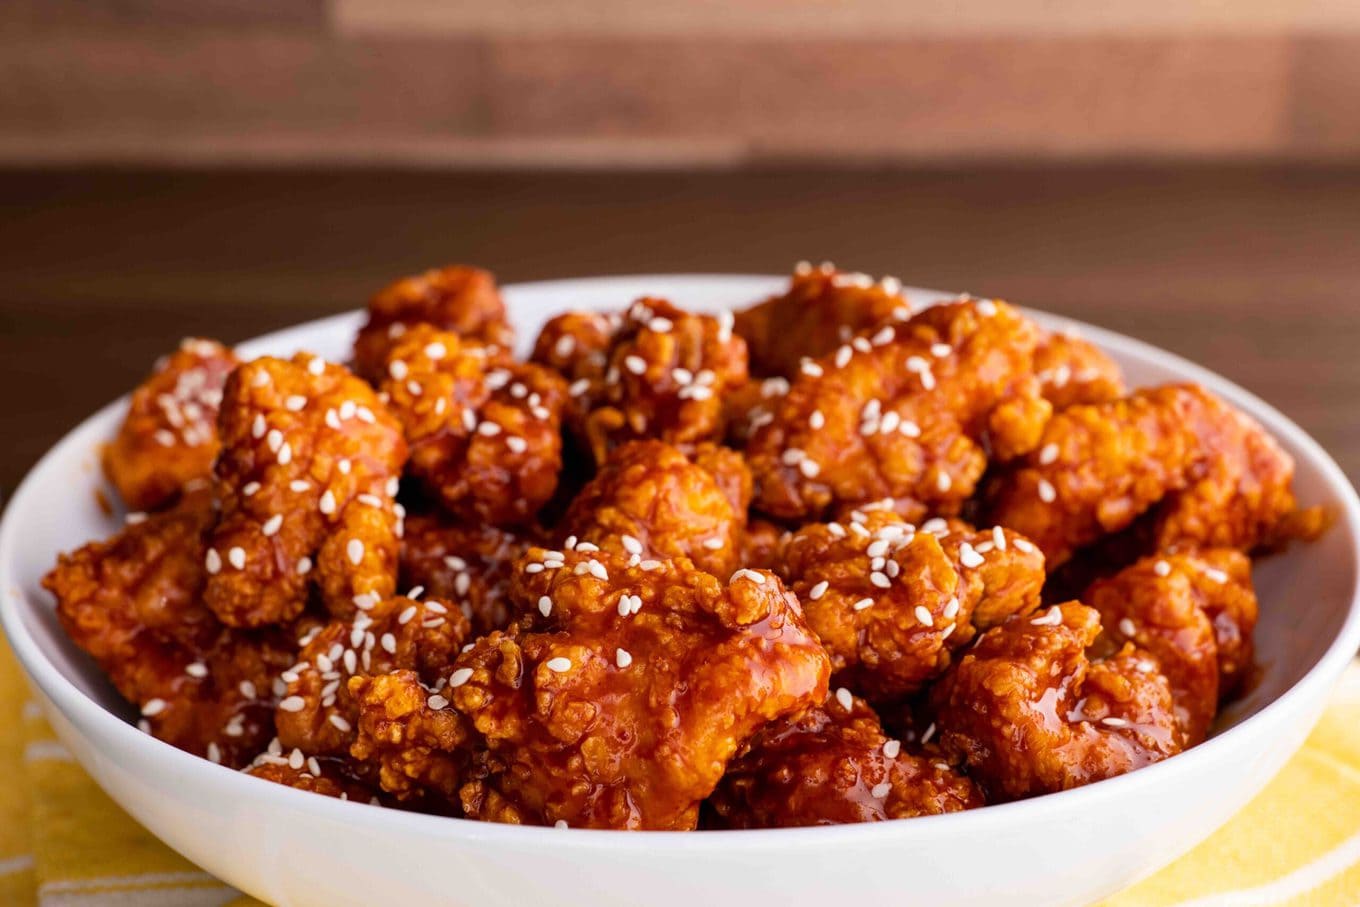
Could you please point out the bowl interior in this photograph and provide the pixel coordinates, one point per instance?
(1306, 593)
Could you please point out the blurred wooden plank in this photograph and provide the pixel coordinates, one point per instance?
(216, 13)
(819, 18)
(1250, 271)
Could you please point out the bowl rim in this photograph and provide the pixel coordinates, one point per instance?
(82, 710)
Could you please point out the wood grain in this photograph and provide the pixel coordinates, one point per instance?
(1250, 271)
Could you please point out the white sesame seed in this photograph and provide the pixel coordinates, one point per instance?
(811, 368)
(436, 350)
(622, 658)
(1047, 493)
(630, 544)
(332, 419)
(1051, 618)
(437, 702)
(237, 557)
(488, 429)
(1048, 453)
(909, 429)
(969, 557)
(214, 753)
(951, 607)
(1161, 568)
(880, 580)
(295, 403)
(389, 643)
(635, 364)
(271, 525)
(943, 482)
(884, 335)
(212, 561)
(285, 454)
(196, 669)
(817, 420)
(460, 677)
(940, 350)
(1023, 544)
(1112, 721)
(153, 707)
(1127, 627)
(354, 550)
(744, 573)
(247, 689)
(516, 444)
(340, 723)
(327, 503)
(846, 700)
(292, 704)
(891, 748)
(316, 366)
(881, 790)
(863, 603)
(545, 605)
(560, 823)
(843, 356)
(258, 426)
(1215, 574)
(809, 468)
(398, 370)
(597, 569)
(923, 616)
(559, 665)
(929, 732)
(999, 538)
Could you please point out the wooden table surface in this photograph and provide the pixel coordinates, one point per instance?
(1251, 271)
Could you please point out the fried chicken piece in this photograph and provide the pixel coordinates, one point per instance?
(834, 764)
(169, 437)
(1073, 371)
(909, 414)
(309, 469)
(665, 376)
(134, 603)
(622, 693)
(456, 298)
(821, 309)
(1028, 711)
(323, 775)
(467, 563)
(576, 344)
(1216, 478)
(485, 431)
(317, 714)
(892, 604)
(1195, 613)
(764, 546)
(649, 500)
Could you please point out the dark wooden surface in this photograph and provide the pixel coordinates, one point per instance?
(1252, 271)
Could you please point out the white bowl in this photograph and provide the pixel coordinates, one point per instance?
(289, 847)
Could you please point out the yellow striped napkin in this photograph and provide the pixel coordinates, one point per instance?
(63, 843)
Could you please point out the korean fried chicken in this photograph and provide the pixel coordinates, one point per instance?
(1215, 477)
(822, 308)
(468, 564)
(834, 764)
(457, 298)
(665, 374)
(892, 603)
(910, 414)
(484, 430)
(169, 437)
(650, 500)
(310, 464)
(1028, 711)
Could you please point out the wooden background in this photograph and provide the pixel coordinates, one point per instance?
(1250, 270)
(701, 83)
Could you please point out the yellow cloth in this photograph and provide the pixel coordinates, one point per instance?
(63, 842)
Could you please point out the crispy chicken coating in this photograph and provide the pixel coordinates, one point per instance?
(649, 500)
(466, 563)
(821, 309)
(1216, 478)
(1072, 371)
(309, 468)
(485, 432)
(323, 775)
(831, 765)
(1195, 613)
(134, 603)
(169, 437)
(909, 414)
(621, 695)
(317, 714)
(1029, 712)
(666, 373)
(457, 298)
(892, 603)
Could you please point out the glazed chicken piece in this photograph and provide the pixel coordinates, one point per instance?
(465, 563)
(821, 309)
(1028, 711)
(834, 764)
(665, 376)
(317, 714)
(134, 603)
(310, 465)
(457, 298)
(1214, 475)
(892, 604)
(620, 696)
(650, 501)
(169, 437)
(1072, 371)
(485, 431)
(1195, 613)
(323, 775)
(908, 414)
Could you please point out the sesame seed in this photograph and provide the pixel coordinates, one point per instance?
(940, 350)
(332, 419)
(545, 605)
(809, 468)
(437, 702)
(943, 482)
(817, 420)
(340, 723)
(597, 569)
(460, 677)
(295, 403)
(880, 580)
(884, 335)
(258, 426)
(317, 366)
(560, 823)
(153, 707)
(247, 689)
(811, 368)
(630, 544)
(622, 658)
(1112, 721)
(292, 704)
(389, 643)
(744, 573)
(354, 550)
(398, 370)
(659, 325)
(929, 732)
(214, 753)
(365, 415)
(892, 748)
(1048, 453)
(436, 350)
(846, 700)
(274, 439)
(1047, 493)
(165, 437)
(285, 454)
(212, 561)
(196, 669)
(488, 429)
(516, 444)
(881, 790)
(579, 387)
(296, 759)
(558, 665)
(1215, 574)
(327, 503)
(1161, 568)
(923, 616)
(1127, 628)
(1023, 544)
(999, 538)
(969, 557)
(1051, 618)
(863, 603)
(635, 364)
(237, 557)
(909, 429)
(271, 525)
(843, 356)
(951, 607)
